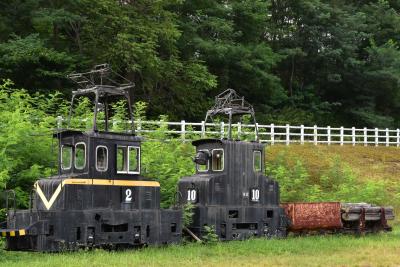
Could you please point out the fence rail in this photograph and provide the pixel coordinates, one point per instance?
(270, 133)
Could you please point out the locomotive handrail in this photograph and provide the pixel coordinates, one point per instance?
(12, 192)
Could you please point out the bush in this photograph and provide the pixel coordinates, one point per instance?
(209, 236)
(188, 214)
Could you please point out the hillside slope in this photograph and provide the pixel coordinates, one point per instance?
(367, 162)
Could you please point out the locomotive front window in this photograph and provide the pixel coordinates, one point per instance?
(122, 156)
(128, 159)
(80, 156)
(134, 157)
(202, 160)
(66, 157)
(257, 161)
(101, 158)
(218, 160)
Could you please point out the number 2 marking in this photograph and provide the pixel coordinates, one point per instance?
(128, 194)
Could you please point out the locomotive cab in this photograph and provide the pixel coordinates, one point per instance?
(229, 190)
(102, 155)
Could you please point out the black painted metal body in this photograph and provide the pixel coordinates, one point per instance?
(87, 207)
(237, 199)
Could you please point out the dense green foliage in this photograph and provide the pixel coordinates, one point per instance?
(303, 61)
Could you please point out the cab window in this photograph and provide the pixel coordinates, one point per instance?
(128, 159)
(202, 160)
(218, 160)
(133, 156)
(80, 156)
(101, 158)
(257, 160)
(122, 158)
(66, 157)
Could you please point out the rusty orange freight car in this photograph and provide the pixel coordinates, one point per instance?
(314, 216)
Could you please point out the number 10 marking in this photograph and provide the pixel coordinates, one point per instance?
(255, 195)
(192, 194)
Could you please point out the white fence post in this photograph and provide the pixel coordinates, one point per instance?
(302, 134)
(287, 134)
(315, 135)
(203, 129)
(239, 129)
(139, 125)
(183, 129)
(353, 136)
(387, 137)
(272, 134)
(222, 129)
(365, 137)
(398, 137)
(328, 132)
(376, 137)
(59, 122)
(341, 135)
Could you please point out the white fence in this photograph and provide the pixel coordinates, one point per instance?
(271, 133)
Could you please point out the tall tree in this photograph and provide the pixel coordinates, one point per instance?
(229, 37)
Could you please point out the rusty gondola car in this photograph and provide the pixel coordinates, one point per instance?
(336, 217)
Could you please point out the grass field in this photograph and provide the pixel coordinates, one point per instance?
(370, 250)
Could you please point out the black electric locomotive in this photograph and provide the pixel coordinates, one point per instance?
(229, 190)
(98, 198)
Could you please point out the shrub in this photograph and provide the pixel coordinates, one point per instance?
(209, 236)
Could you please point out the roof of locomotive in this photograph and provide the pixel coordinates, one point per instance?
(98, 134)
(223, 141)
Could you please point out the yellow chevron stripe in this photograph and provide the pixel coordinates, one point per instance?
(12, 233)
(48, 203)
(22, 232)
(3, 234)
(72, 181)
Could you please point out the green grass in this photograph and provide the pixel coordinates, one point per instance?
(370, 250)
